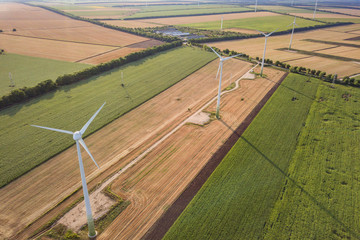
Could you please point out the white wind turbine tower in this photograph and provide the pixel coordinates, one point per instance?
(263, 58)
(292, 33)
(315, 9)
(77, 136)
(222, 59)
(255, 5)
(222, 19)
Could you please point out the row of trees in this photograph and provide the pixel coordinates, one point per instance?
(294, 69)
(25, 93)
(222, 36)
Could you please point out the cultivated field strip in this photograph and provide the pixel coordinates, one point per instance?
(50, 35)
(237, 199)
(311, 41)
(320, 196)
(156, 181)
(53, 180)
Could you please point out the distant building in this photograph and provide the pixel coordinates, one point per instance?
(176, 33)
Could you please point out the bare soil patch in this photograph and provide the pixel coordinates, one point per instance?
(208, 18)
(113, 147)
(154, 183)
(343, 10)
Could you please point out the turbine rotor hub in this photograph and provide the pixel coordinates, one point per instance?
(77, 135)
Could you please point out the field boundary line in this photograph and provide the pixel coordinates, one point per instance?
(99, 54)
(164, 223)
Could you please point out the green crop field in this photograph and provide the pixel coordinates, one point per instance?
(190, 10)
(265, 24)
(321, 198)
(23, 147)
(28, 71)
(237, 199)
(99, 13)
(282, 9)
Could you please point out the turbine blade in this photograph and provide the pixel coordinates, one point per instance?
(87, 150)
(272, 32)
(54, 129)
(217, 74)
(90, 120)
(231, 57)
(261, 32)
(216, 53)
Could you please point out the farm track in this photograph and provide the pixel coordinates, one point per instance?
(167, 171)
(125, 139)
(159, 229)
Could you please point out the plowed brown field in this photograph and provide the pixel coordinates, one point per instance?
(155, 182)
(42, 33)
(255, 48)
(27, 198)
(132, 23)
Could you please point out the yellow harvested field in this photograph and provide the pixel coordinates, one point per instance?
(65, 51)
(121, 52)
(349, 52)
(132, 23)
(42, 33)
(343, 10)
(255, 47)
(208, 18)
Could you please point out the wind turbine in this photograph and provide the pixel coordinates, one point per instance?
(292, 33)
(315, 9)
(255, 5)
(222, 19)
(77, 136)
(12, 83)
(222, 59)
(263, 58)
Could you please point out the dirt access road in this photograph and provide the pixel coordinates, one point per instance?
(155, 182)
(26, 199)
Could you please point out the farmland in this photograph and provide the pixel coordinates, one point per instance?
(50, 35)
(28, 71)
(282, 9)
(320, 196)
(252, 174)
(24, 147)
(35, 152)
(116, 11)
(301, 41)
(266, 24)
(189, 19)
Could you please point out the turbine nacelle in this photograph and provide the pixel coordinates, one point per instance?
(77, 136)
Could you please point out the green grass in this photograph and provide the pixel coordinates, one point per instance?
(98, 13)
(237, 199)
(353, 20)
(190, 10)
(265, 24)
(23, 147)
(320, 200)
(29, 71)
(282, 9)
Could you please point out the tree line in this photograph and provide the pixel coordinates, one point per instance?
(26, 93)
(294, 69)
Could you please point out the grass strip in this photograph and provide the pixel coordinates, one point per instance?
(237, 199)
